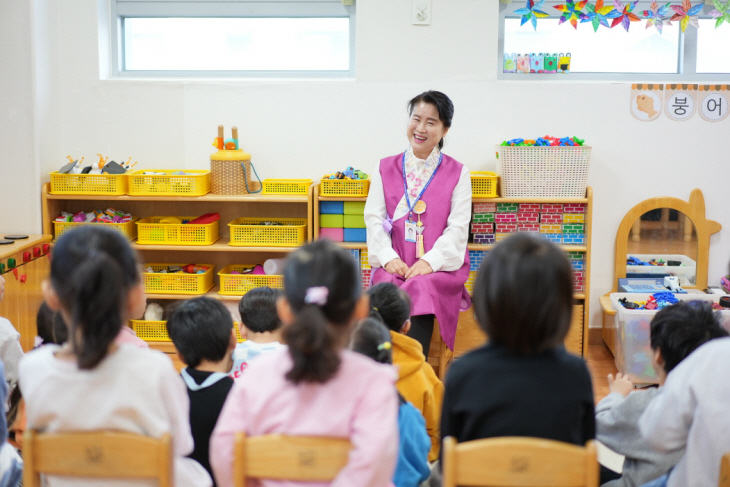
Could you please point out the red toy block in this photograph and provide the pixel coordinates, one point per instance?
(505, 228)
(485, 207)
(505, 218)
(528, 217)
(482, 228)
(551, 208)
(528, 227)
(551, 218)
(529, 208)
(574, 208)
(365, 273)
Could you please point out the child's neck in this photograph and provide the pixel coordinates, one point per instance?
(224, 365)
(264, 337)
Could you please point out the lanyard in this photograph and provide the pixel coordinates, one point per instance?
(405, 185)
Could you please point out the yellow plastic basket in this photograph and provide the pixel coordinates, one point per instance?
(156, 331)
(110, 184)
(348, 188)
(179, 282)
(285, 186)
(192, 183)
(151, 232)
(240, 284)
(484, 184)
(245, 232)
(129, 229)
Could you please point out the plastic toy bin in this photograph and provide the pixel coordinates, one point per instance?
(178, 282)
(246, 232)
(543, 171)
(632, 351)
(156, 331)
(484, 184)
(239, 284)
(347, 188)
(285, 186)
(192, 183)
(151, 232)
(110, 184)
(128, 229)
(688, 268)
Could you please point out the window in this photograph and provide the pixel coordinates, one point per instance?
(641, 54)
(242, 38)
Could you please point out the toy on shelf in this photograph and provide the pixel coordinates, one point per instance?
(153, 312)
(350, 183)
(110, 215)
(231, 167)
(564, 63)
(545, 141)
(656, 301)
(349, 173)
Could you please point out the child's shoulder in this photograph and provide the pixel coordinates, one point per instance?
(363, 367)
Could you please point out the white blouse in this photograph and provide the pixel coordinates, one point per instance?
(448, 251)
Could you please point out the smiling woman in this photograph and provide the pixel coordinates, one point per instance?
(417, 218)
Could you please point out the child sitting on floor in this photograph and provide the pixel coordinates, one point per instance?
(372, 339)
(91, 382)
(202, 331)
(676, 331)
(315, 386)
(260, 326)
(417, 381)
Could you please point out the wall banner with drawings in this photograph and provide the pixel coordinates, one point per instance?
(713, 101)
(680, 101)
(646, 101)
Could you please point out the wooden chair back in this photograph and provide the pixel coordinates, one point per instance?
(519, 461)
(281, 457)
(98, 454)
(725, 470)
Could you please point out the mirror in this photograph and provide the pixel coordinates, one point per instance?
(668, 224)
(662, 241)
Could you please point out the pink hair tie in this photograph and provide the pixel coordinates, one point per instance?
(317, 295)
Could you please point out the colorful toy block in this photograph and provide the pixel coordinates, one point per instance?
(579, 280)
(574, 208)
(505, 218)
(551, 208)
(482, 228)
(484, 238)
(331, 207)
(574, 217)
(505, 227)
(485, 207)
(364, 259)
(551, 218)
(365, 275)
(528, 217)
(507, 207)
(353, 221)
(528, 227)
(355, 253)
(482, 218)
(354, 208)
(529, 208)
(573, 228)
(556, 238)
(355, 235)
(577, 260)
(475, 259)
(498, 237)
(331, 221)
(551, 228)
(469, 284)
(334, 234)
(573, 239)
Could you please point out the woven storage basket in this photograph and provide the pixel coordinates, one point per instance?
(484, 184)
(239, 284)
(128, 229)
(246, 232)
(108, 184)
(192, 183)
(543, 171)
(156, 331)
(226, 172)
(179, 282)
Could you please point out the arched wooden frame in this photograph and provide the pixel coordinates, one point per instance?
(694, 209)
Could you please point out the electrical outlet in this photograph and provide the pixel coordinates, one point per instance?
(421, 12)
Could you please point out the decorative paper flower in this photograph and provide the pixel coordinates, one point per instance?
(655, 16)
(532, 12)
(572, 12)
(721, 13)
(599, 15)
(687, 14)
(625, 14)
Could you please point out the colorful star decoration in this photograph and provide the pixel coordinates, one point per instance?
(532, 12)
(626, 15)
(572, 12)
(721, 13)
(687, 14)
(655, 16)
(599, 15)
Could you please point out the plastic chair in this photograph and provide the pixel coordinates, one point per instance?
(725, 470)
(99, 454)
(302, 458)
(519, 461)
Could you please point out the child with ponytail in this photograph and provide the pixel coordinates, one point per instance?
(315, 386)
(372, 339)
(91, 382)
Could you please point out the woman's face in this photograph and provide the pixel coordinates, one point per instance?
(425, 129)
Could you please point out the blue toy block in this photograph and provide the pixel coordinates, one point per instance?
(573, 238)
(475, 259)
(553, 237)
(355, 255)
(355, 235)
(578, 265)
(332, 207)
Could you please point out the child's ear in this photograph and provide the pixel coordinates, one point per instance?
(406, 327)
(243, 331)
(283, 309)
(658, 359)
(50, 296)
(362, 308)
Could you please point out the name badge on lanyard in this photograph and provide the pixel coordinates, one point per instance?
(413, 230)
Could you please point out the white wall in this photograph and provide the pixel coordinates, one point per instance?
(307, 128)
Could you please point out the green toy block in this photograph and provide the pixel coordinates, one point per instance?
(507, 207)
(483, 218)
(574, 228)
(354, 208)
(354, 221)
(331, 221)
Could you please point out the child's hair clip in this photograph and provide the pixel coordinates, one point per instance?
(384, 346)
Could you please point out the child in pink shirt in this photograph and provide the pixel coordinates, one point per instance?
(316, 387)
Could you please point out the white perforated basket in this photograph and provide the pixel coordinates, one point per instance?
(543, 171)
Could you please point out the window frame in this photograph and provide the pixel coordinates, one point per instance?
(686, 57)
(120, 9)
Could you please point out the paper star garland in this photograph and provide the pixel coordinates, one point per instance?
(626, 15)
(531, 12)
(599, 15)
(572, 12)
(721, 13)
(655, 16)
(687, 14)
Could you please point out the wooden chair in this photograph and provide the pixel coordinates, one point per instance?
(282, 457)
(725, 471)
(519, 461)
(100, 454)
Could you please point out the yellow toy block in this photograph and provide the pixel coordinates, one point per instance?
(551, 228)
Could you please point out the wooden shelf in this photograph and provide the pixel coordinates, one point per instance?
(353, 245)
(247, 198)
(213, 293)
(528, 199)
(341, 198)
(567, 248)
(220, 246)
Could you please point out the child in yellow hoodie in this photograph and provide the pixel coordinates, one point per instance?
(417, 382)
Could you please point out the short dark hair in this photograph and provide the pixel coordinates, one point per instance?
(677, 330)
(200, 328)
(50, 324)
(442, 103)
(369, 338)
(523, 296)
(258, 309)
(390, 305)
